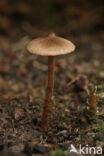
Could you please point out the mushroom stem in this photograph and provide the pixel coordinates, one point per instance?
(49, 92)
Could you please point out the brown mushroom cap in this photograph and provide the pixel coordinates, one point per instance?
(50, 45)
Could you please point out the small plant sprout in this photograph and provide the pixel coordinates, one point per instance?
(58, 152)
(102, 127)
(51, 46)
(94, 99)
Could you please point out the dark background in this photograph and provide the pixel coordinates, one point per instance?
(78, 20)
(23, 77)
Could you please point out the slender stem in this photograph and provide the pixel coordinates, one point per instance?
(49, 93)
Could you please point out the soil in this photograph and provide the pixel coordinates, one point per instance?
(23, 77)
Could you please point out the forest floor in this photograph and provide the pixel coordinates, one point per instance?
(23, 78)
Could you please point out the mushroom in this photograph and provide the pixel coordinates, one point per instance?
(51, 46)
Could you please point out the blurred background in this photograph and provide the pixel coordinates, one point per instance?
(23, 76)
(80, 21)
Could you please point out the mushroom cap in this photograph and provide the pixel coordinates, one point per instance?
(50, 45)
